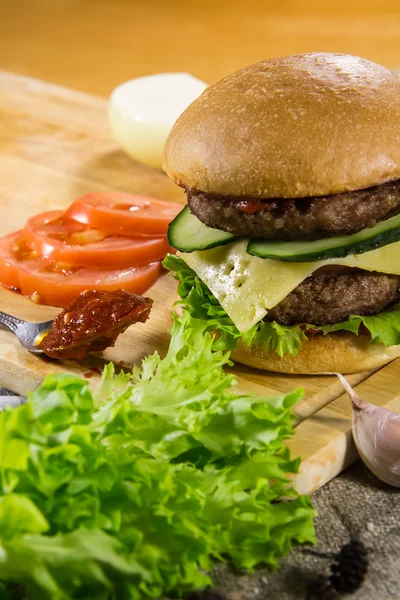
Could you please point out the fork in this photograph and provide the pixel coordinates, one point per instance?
(29, 334)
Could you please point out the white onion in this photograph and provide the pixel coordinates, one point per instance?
(142, 112)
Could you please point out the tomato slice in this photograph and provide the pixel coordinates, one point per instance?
(124, 214)
(59, 284)
(61, 239)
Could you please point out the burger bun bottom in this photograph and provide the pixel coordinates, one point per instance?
(337, 352)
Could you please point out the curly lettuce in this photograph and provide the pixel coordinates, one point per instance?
(199, 301)
(136, 489)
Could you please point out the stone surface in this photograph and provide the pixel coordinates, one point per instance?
(353, 504)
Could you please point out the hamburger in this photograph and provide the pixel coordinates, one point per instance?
(289, 246)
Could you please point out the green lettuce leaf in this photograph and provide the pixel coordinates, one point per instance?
(198, 300)
(57, 566)
(136, 490)
(384, 327)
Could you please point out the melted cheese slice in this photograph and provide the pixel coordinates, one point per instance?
(247, 286)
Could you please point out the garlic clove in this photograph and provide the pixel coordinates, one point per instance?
(376, 433)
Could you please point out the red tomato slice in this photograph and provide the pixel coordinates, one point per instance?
(59, 284)
(124, 214)
(60, 239)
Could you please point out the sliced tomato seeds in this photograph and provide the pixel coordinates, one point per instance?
(61, 239)
(124, 214)
(59, 285)
(114, 241)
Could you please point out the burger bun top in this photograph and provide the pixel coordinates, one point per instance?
(291, 127)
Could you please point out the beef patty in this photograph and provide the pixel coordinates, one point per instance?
(300, 218)
(330, 297)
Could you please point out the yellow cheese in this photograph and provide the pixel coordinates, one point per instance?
(247, 286)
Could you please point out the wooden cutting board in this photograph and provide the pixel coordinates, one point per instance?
(55, 145)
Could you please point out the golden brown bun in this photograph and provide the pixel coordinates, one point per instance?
(343, 353)
(296, 126)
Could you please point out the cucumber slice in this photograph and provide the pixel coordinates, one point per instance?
(385, 232)
(188, 234)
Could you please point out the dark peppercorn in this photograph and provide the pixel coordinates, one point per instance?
(350, 567)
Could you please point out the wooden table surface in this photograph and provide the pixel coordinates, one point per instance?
(94, 45)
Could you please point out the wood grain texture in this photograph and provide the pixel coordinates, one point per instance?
(332, 426)
(54, 146)
(94, 45)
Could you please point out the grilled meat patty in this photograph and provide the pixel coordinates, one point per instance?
(300, 218)
(330, 297)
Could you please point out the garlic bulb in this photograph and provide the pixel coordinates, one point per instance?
(376, 433)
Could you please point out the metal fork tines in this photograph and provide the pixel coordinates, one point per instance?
(29, 334)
